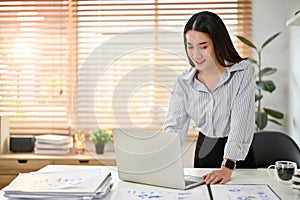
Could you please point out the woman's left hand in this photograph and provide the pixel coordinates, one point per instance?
(221, 176)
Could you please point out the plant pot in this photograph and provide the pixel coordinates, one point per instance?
(99, 148)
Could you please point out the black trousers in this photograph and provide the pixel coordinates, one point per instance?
(209, 153)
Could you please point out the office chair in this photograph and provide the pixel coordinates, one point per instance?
(271, 146)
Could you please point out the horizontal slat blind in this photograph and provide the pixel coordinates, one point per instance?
(130, 53)
(37, 64)
(107, 63)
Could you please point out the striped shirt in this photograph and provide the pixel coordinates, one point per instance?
(228, 111)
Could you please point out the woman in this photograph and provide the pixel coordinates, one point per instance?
(217, 92)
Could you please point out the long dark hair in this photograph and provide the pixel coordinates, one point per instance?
(211, 24)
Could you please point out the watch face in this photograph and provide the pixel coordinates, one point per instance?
(230, 164)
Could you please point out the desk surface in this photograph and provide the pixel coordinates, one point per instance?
(240, 176)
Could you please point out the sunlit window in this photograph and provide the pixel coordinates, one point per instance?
(79, 64)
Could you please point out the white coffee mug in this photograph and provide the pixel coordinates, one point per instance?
(284, 170)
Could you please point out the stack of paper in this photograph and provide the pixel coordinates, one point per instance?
(53, 144)
(296, 181)
(61, 182)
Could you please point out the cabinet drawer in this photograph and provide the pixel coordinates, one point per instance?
(77, 162)
(109, 162)
(6, 179)
(16, 166)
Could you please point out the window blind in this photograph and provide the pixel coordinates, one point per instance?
(100, 63)
(37, 57)
(130, 54)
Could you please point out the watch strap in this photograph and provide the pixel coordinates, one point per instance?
(229, 164)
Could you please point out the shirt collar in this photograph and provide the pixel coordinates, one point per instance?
(237, 66)
(234, 68)
(189, 76)
(190, 73)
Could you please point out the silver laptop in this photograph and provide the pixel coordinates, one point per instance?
(152, 158)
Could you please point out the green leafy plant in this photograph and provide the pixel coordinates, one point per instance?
(262, 114)
(100, 136)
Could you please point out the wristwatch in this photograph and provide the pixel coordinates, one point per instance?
(229, 164)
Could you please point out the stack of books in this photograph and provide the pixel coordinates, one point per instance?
(296, 181)
(53, 144)
(61, 182)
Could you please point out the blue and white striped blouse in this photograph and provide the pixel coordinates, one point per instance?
(227, 111)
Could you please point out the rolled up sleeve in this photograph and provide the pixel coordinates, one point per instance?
(242, 124)
(177, 119)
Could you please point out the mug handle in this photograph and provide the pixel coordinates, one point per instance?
(268, 169)
(271, 166)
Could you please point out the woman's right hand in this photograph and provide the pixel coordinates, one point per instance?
(221, 176)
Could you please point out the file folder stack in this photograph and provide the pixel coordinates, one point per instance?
(296, 181)
(61, 182)
(53, 144)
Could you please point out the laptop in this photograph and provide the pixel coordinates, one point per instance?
(152, 158)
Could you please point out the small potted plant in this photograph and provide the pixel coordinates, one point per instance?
(100, 137)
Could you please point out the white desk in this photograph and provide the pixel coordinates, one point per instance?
(240, 176)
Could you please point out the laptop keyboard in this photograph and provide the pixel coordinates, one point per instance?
(192, 180)
(189, 182)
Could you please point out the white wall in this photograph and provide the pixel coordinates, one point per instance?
(269, 17)
(294, 106)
